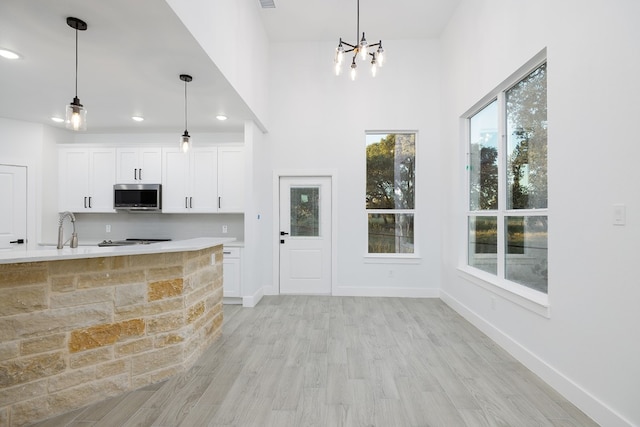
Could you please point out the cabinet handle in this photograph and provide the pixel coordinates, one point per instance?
(89, 202)
(191, 202)
(186, 202)
(219, 201)
(85, 202)
(226, 252)
(135, 174)
(140, 174)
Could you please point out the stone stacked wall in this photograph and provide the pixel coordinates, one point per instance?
(76, 332)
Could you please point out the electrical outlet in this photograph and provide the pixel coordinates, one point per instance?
(619, 214)
(107, 228)
(224, 229)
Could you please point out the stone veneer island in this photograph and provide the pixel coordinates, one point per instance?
(81, 325)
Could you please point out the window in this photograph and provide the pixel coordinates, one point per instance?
(390, 197)
(507, 183)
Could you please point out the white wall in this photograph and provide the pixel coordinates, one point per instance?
(318, 122)
(589, 348)
(232, 34)
(258, 231)
(21, 144)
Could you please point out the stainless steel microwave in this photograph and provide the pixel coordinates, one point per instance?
(137, 197)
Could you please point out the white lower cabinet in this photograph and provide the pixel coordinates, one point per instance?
(232, 275)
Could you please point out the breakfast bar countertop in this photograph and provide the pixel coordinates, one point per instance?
(50, 253)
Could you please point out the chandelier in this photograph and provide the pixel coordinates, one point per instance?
(362, 49)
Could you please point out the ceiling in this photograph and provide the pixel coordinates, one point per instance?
(133, 52)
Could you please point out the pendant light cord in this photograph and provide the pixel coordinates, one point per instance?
(76, 62)
(185, 106)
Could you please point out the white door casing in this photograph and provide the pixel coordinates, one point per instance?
(13, 214)
(305, 235)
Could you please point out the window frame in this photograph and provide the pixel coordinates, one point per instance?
(393, 257)
(523, 295)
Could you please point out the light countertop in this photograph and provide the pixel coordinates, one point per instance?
(50, 253)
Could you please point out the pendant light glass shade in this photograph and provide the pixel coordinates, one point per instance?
(185, 139)
(76, 114)
(185, 142)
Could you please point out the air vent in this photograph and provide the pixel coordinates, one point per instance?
(267, 4)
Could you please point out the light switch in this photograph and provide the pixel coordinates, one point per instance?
(619, 215)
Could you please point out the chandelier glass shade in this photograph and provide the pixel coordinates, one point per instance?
(361, 49)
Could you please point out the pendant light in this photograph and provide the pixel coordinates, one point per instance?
(76, 113)
(185, 139)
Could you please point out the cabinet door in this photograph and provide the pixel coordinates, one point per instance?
(73, 180)
(203, 180)
(150, 165)
(175, 173)
(139, 165)
(127, 165)
(102, 176)
(231, 277)
(86, 178)
(231, 179)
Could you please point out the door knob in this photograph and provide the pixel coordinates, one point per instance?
(283, 233)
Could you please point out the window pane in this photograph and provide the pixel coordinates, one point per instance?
(483, 159)
(305, 211)
(527, 142)
(390, 233)
(483, 243)
(390, 171)
(526, 254)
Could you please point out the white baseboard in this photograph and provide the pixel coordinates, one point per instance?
(253, 300)
(386, 292)
(585, 401)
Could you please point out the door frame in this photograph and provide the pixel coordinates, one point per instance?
(332, 174)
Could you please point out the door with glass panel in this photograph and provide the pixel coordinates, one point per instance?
(305, 235)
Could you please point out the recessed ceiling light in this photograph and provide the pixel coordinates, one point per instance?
(221, 117)
(57, 119)
(137, 118)
(5, 53)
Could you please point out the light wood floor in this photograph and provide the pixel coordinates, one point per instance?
(343, 361)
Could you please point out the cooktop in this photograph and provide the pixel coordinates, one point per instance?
(127, 242)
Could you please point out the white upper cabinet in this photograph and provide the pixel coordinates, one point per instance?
(190, 180)
(85, 179)
(138, 165)
(231, 179)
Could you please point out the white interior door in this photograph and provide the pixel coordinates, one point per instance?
(13, 210)
(305, 235)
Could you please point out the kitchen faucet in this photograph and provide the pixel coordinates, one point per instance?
(74, 235)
